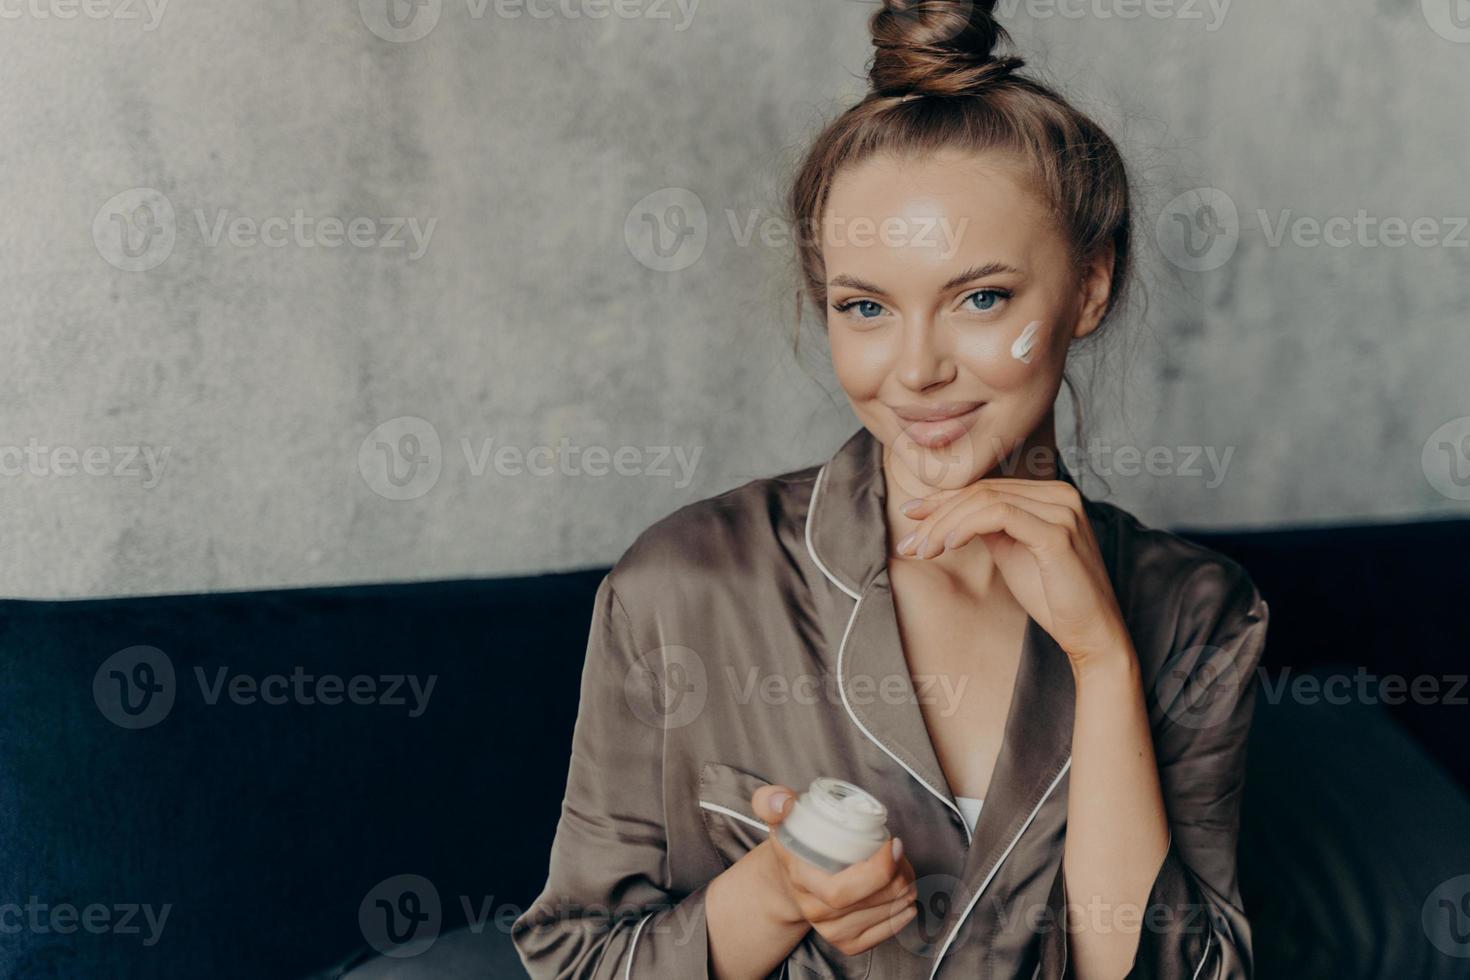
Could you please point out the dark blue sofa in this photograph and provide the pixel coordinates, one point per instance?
(277, 836)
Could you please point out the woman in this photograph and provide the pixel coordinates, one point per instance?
(1051, 699)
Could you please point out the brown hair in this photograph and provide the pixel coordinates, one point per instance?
(936, 83)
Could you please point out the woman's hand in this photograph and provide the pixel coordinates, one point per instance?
(1042, 542)
(855, 909)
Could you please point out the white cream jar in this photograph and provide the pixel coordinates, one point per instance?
(834, 824)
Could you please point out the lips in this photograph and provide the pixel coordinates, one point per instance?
(935, 426)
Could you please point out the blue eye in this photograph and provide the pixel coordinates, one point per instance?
(984, 301)
(866, 308)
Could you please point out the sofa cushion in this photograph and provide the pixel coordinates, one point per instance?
(262, 828)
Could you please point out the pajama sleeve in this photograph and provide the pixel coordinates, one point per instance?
(1200, 704)
(607, 910)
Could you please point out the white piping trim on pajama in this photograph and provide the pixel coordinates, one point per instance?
(1066, 939)
(1209, 941)
(842, 689)
(938, 960)
(1209, 937)
(716, 808)
(706, 805)
(811, 506)
(633, 946)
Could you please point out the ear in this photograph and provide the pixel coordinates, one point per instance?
(1094, 289)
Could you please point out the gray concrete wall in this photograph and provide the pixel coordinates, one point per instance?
(333, 227)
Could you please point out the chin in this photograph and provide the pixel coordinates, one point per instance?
(955, 464)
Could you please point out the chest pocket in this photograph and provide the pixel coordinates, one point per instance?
(724, 804)
(733, 831)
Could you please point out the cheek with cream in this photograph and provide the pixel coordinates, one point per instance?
(1025, 346)
(1004, 360)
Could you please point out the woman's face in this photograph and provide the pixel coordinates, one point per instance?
(952, 299)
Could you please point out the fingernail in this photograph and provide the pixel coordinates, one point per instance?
(951, 538)
(923, 543)
(908, 540)
(779, 799)
(897, 848)
(909, 505)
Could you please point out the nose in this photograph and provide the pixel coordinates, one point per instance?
(925, 358)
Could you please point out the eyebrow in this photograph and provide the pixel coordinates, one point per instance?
(969, 275)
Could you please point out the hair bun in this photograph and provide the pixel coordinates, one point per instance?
(937, 47)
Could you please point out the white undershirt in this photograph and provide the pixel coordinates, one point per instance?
(970, 809)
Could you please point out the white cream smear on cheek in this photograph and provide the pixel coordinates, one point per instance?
(1022, 349)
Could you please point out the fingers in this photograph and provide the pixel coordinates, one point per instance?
(941, 530)
(857, 931)
(855, 908)
(879, 933)
(858, 885)
(928, 510)
(1054, 531)
(865, 912)
(772, 803)
(1046, 491)
(1040, 536)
